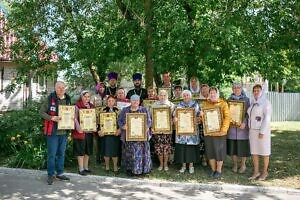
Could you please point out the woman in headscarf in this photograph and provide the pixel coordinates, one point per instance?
(260, 112)
(100, 99)
(215, 144)
(99, 102)
(238, 137)
(194, 87)
(186, 147)
(136, 157)
(82, 141)
(111, 143)
(163, 141)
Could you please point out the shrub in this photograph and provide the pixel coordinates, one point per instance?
(22, 140)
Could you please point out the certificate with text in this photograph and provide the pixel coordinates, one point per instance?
(87, 120)
(186, 121)
(212, 120)
(237, 112)
(136, 127)
(66, 116)
(161, 120)
(108, 123)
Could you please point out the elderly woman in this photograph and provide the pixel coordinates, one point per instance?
(136, 159)
(111, 143)
(194, 87)
(82, 141)
(238, 137)
(163, 141)
(186, 146)
(259, 113)
(99, 101)
(215, 144)
(100, 98)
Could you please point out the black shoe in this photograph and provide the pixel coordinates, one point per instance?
(50, 180)
(217, 175)
(87, 171)
(212, 173)
(82, 173)
(62, 177)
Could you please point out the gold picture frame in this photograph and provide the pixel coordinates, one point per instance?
(108, 123)
(186, 121)
(167, 89)
(161, 120)
(237, 112)
(147, 103)
(136, 127)
(66, 116)
(87, 120)
(212, 120)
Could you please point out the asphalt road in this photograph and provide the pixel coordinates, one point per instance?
(31, 184)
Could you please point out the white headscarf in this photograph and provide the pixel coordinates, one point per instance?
(217, 95)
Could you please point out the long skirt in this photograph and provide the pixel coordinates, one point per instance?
(136, 157)
(240, 148)
(186, 153)
(215, 147)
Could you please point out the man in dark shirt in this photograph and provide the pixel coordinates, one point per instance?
(138, 90)
(56, 139)
(112, 81)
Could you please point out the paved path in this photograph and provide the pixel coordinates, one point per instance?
(31, 184)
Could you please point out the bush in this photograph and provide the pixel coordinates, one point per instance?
(22, 140)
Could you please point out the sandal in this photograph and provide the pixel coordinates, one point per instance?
(254, 176)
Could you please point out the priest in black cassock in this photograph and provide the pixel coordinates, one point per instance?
(112, 81)
(138, 90)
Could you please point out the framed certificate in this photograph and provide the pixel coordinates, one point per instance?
(87, 120)
(108, 123)
(147, 103)
(212, 120)
(169, 91)
(161, 120)
(136, 127)
(237, 112)
(66, 116)
(186, 124)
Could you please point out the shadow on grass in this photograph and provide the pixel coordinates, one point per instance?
(284, 168)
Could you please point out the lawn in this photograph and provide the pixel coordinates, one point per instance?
(284, 170)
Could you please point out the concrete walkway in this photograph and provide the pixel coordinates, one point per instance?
(31, 184)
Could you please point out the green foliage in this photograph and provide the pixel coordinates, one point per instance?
(213, 40)
(22, 140)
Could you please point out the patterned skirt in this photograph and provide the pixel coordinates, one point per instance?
(201, 144)
(136, 157)
(163, 144)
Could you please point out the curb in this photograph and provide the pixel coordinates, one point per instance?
(160, 183)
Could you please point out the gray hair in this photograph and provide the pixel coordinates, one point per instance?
(163, 91)
(186, 92)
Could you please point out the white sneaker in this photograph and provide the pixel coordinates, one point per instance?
(160, 168)
(182, 170)
(166, 168)
(191, 170)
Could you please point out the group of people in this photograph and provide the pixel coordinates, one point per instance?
(251, 137)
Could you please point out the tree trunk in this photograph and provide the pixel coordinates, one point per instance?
(93, 71)
(148, 43)
(191, 52)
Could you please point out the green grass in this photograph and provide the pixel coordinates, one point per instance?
(284, 169)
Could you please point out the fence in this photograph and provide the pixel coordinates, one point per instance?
(285, 106)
